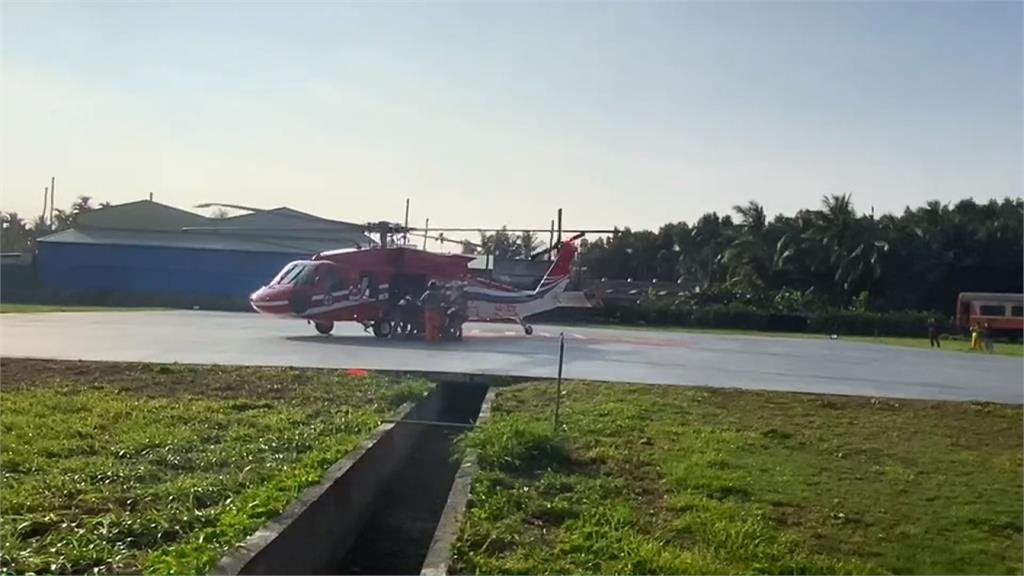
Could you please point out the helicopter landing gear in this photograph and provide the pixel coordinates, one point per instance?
(324, 327)
(383, 328)
(526, 327)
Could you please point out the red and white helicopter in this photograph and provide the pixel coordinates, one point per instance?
(366, 285)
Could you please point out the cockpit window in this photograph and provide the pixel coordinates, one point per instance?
(290, 273)
(307, 276)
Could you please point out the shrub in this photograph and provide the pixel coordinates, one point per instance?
(863, 323)
(745, 317)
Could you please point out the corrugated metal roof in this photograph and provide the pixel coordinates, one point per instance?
(148, 223)
(196, 240)
(141, 215)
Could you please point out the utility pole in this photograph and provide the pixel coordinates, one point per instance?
(52, 179)
(426, 230)
(150, 196)
(46, 198)
(559, 237)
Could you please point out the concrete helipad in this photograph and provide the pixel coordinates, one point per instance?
(657, 357)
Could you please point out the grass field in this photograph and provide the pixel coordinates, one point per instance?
(648, 479)
(958, 345)
(12, 308)
(161, 468)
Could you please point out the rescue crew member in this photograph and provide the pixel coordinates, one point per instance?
(410, 318)
(457, 312)
(975, 336)
(433, 311)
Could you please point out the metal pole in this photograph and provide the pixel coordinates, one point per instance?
(46, 199)
(551, 239)
(559, 237)
(405, 238)
(426, 230)
(558, 389)
(51, 200)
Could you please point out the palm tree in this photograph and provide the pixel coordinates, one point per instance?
(862, 265)
(501, 244)
(528, 244)
(748, 255)
(15, 235)
(81, 205)
(833, 226)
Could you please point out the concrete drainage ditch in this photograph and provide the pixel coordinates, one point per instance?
(377, 510)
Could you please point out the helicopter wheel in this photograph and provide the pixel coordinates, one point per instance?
(324, 327)
(382, 328)
(528, 329)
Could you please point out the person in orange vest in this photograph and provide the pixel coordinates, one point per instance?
(433, 311)
(975, 336)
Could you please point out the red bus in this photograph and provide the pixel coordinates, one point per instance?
(1004, 313)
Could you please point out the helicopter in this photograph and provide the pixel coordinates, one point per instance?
(366, 284)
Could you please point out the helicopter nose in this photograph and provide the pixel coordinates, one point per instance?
(270, 301)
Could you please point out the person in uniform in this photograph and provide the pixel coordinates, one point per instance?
(410, 317)
(457, 313)
(432, 302)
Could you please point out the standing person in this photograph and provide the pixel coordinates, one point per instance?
(986, 338)
(975, 336)
(933, 333)
(433, 314)
(457, 313)
(410, 317)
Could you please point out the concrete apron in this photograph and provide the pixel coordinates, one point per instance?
(439, 555)
(316, 530)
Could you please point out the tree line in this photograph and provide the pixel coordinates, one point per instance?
(17, 235)
(830, 257)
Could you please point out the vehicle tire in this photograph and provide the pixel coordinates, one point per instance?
(528, 329)
(324, 327)
(382, 328)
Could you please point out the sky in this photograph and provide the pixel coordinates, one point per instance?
(624, 114)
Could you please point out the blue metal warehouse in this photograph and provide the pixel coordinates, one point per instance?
(149, 252)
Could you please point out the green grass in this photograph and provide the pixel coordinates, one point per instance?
(649, 479)
(162, 468)
(12, 308)
(948, 344)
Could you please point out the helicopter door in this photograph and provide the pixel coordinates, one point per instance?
(367, 287)
(325, 282)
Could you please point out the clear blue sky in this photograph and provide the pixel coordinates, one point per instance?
(624, 114)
